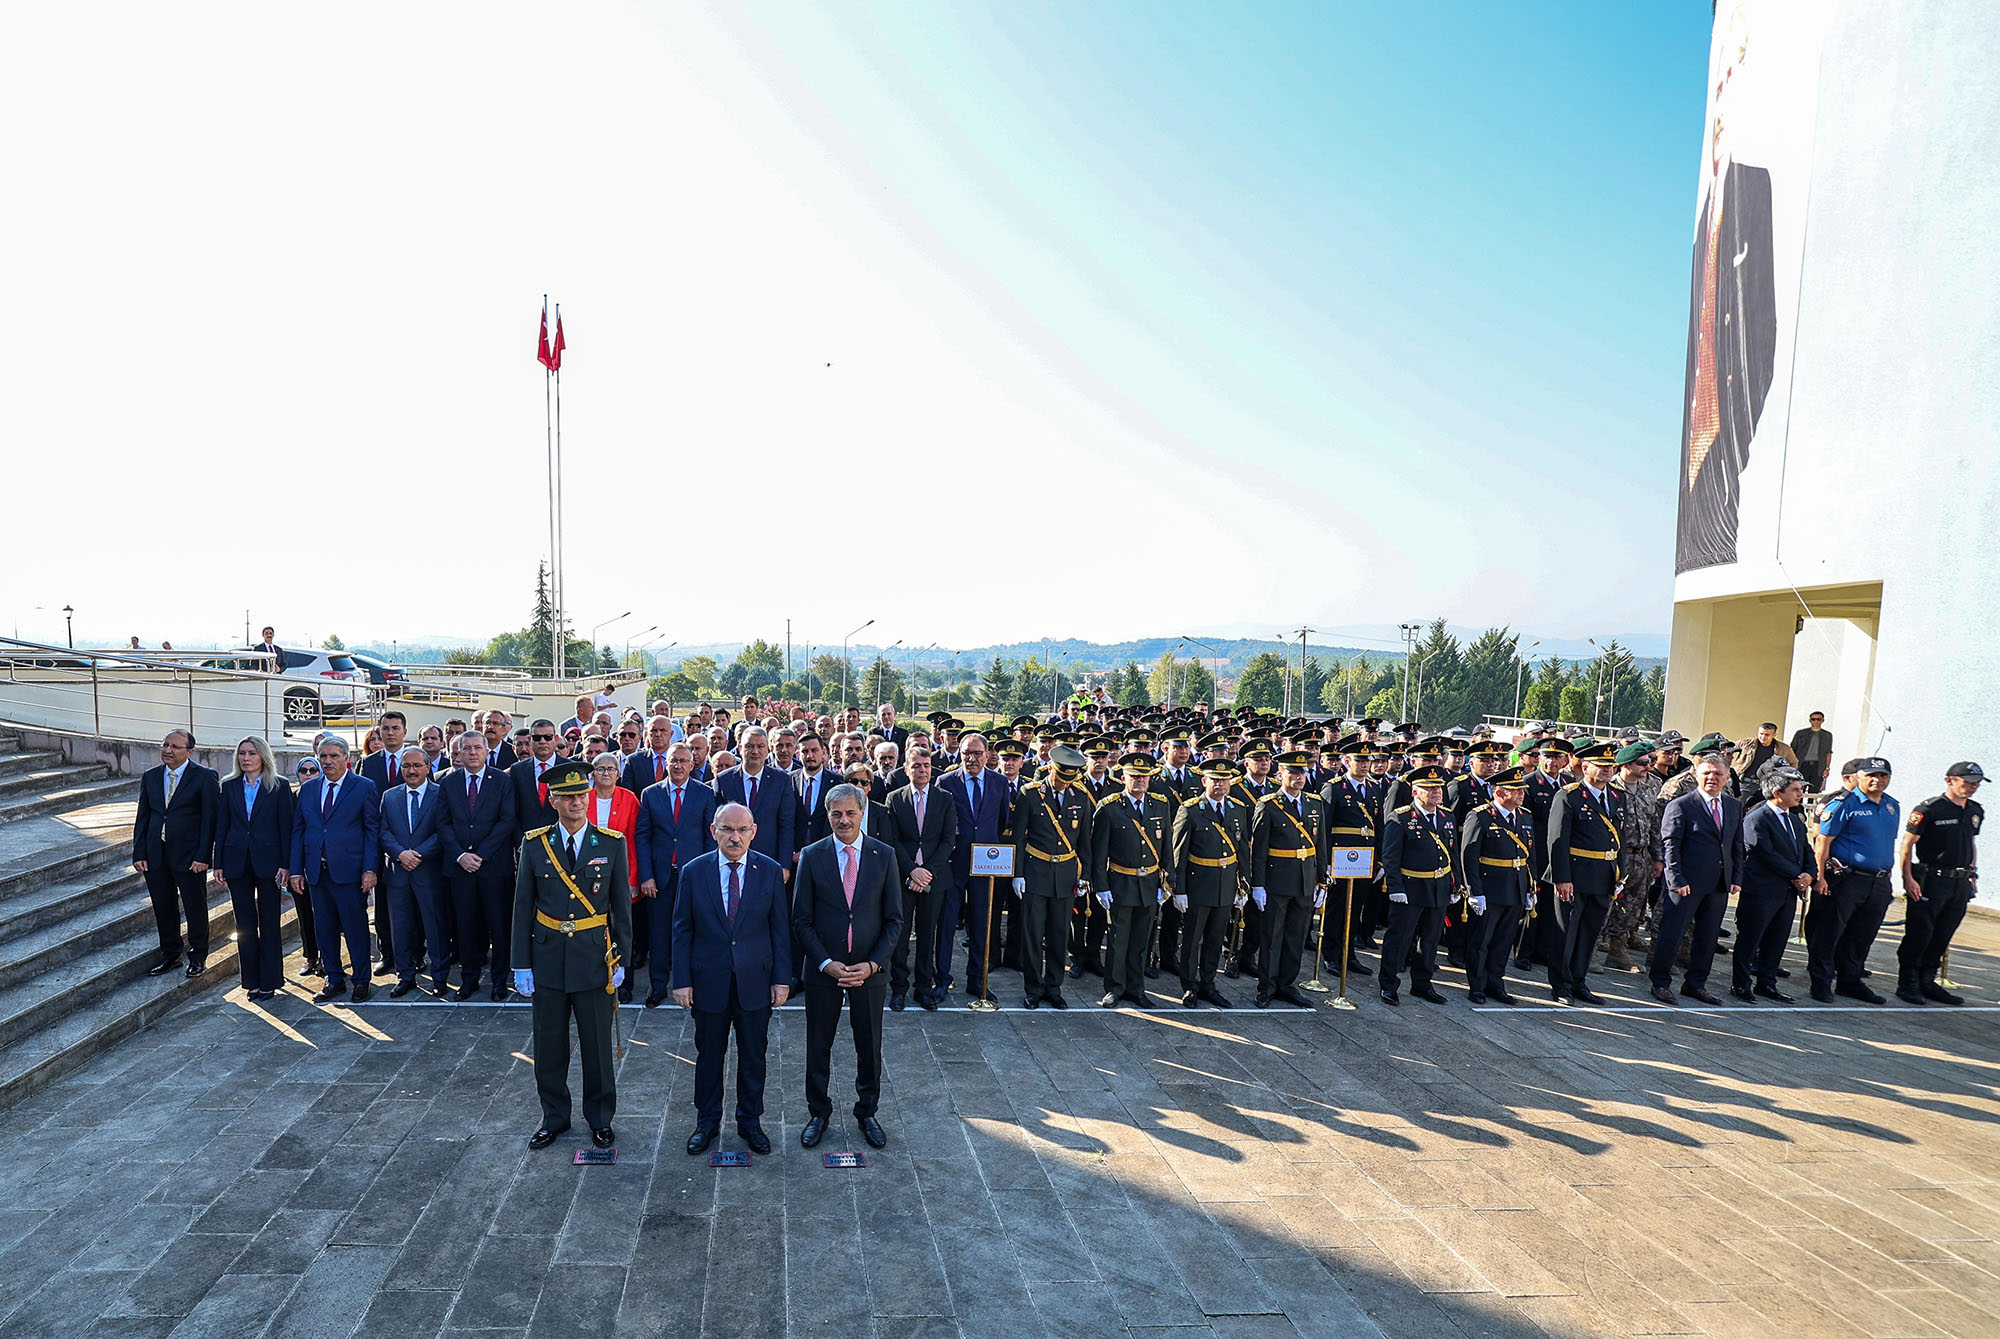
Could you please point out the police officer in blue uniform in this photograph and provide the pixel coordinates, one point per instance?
(1856, 849)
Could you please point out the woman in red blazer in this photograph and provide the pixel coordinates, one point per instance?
(612, 806)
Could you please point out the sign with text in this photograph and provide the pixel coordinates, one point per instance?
(728, 1158)
(595, 1157)
(993, 861)
(844, 1160)
(1353, 862)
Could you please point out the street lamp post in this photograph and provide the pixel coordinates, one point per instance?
(599, 628)
(635, 637)
(1520, 669)
(843, 658)
(69, 625)
(1211, 677)
(1418, 706)
(1409, 631)
(1597, 686)
(1055, 681)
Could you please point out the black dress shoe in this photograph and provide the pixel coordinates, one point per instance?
(1054, 999)
(871, 1130)
(385, 968)
(625, 993)
(195, 968)
(362, 990)
(329, 994)
(464, 993)
(1502, 997)
(1822, 995)
(703, 1136)
(498, 993)
(1231, 971)
(1355, 967)
(1583, 994)
(655, 1001)
(1190, 999)
(1784, 971)
(1931, 990)
(604, 1138)
(1076, 969)
(1031, 1001)
(932, 1001)
(1475, 997)
(401, 988)
(259, 996)
(812, 1132)
(312, 968)
(1431, 993)
(1700, 993)
(1665, 996)
(1293, 996)
(1263, 999)
(1910, 995)
(1774, 994)
(1137, 998)
(754, 1136)
(545, 1136)
(1390, 997)
(1214, 997)
(898, 1001)
(1108, 1000)
(1856, 991)
(1152, 973)
(1744, 994)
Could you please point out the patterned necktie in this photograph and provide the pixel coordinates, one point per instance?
(413, 810)
(752, 805)
(173, 781)
(326, 801)
(733, 898)
(472, 793)
(850, 872)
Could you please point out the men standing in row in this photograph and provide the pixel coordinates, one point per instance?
(1583, 868)
(1493, 864)
(1418, 840)
(1211, 834)
(1128, 841)
(1052, 817)
(1286, 840)
(476, 848)
(336, 851)
(1856, 848)
(384, 768)
(1701, 842)
(412, 842)
(1778, 865)
(1352, 810)
(676, 824)
(923, 826)
(1940, 870)
(572, 933)
(984, 807)
(173, 833)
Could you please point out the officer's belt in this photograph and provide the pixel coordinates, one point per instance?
(1932, 871)
(1117, 868)
(1498, 863)
(1593, 855)
(570, 927)
(1424, 873)
(1206, 863)
(1350, 832)
(1052, 859)
(1292, 855)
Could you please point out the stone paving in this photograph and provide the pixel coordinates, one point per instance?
(1424, 1171)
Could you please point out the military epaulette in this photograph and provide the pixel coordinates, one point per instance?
(1112, 798)
(1574, 785)
(1189, 804)
(609, 832)
(1618, 786)
(1481, 808)
(530, 836)
(1401, 811)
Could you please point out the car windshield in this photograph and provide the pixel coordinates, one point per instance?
(342, 664)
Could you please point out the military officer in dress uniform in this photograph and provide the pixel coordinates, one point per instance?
(1495, 840)
(1211, 839)
(1287, 842)
(572, 931)
(1469, 788)
(1086, 937)
(1350, 821)
(1583, 857)
(1419, 844)
(1541, 932)
(1129, 841)
(1177, 783)
(1255, 753)
(1051, 840)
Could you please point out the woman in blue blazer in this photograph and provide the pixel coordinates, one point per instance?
(253, 840)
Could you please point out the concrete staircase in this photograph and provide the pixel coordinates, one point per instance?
(76, 927)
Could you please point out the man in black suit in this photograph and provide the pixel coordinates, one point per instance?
(923, 827)
(848, 914)
(269, 646)
(384, 767)
(173, 837)
(649, 766)
(476, 848)
(531, 794)
(891, 732)
(1778, 865)
(1701, 836)
(497, 726)
(812, 783)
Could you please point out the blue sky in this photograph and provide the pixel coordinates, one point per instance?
(1324, 296)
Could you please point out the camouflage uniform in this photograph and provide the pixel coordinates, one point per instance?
(1639, 847)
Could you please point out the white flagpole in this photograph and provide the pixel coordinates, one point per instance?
(549, 446)
(562, 630)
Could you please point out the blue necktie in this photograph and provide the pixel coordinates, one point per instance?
(413, 812)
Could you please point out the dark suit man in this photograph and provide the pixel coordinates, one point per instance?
(847, 910)
(253, 840)
(812, 783)
(476, 848)
(412, 844)
(336, 851)
(1778, 865)
(676, 823)
(384, 768)
(767, 793)
(923, 827)
(173, 839)
(1701, 839)
(891, 732)
(732, 949)
(984, 812)
(532, 807)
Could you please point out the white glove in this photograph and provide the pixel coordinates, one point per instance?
(1104, 899)
(1399, 897)
(617, 977)
(1319, 897)
(524, 981)
(1241, 898)
(1180, 902)
(1020, 887)
(1257, 895)
(1479, 906)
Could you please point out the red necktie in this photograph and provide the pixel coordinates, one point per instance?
(1715, 811)
(660, 771)
(677, 806)
(752, 804)
(472, 793)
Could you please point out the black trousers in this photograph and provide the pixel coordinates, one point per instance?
(1171, 921)
(1763, 923)
(1281, 950)
(1127, 941)
(1410, 926)
(1045, 941)
(385, 923)
(711, 1046)
(864, 1020)
(642, 934)
(1542, 937)
(260, 943)
(920, 919)
(308, 932)
(1202, 931)
(593, 1011)
(482, 904)
(1581, 920)
(1928, 925)
(176, 892)
(1250, 951)
(1490, 943)
(1701, 912)
(1841, 925)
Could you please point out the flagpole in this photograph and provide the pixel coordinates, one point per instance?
(562, 632)
(549, 448)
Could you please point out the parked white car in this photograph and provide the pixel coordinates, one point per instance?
(334, 684)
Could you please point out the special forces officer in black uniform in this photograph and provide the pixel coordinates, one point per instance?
(1287, 841)
(1211, 868)
(1051, 840)
(1129, 845)
(1419, 842)
(1583, 868)
(1493, 860)
(1940, 874)
(572, 930)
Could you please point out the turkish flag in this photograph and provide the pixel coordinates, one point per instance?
(556, 349)
(542, 346)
